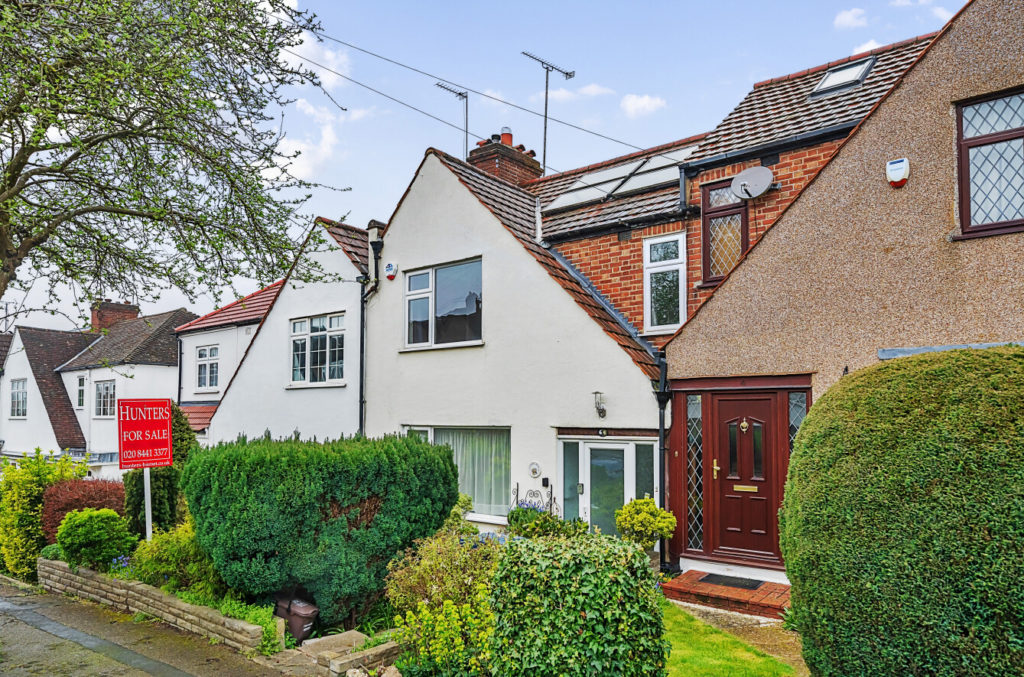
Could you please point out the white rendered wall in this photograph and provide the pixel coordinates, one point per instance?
(262, 398)
(231, 342)
(24, 435)
(543, 356)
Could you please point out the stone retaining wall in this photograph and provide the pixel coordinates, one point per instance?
(136, 597)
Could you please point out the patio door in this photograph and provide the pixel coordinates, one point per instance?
(599, 477)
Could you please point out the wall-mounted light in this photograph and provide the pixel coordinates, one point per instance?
(599, 404)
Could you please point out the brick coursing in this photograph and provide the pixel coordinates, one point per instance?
(506, 162)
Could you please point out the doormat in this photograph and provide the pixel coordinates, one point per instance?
(732, 581)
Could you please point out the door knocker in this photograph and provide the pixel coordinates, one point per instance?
(744, 425)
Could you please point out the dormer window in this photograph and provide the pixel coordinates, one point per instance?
(843, 77)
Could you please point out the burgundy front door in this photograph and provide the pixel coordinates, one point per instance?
(744, 482)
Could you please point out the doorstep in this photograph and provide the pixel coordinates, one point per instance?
(768, 599)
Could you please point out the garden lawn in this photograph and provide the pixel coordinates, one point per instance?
(699, 649)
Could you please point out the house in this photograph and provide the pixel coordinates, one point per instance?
(210, 349)
(860, 267)
(126, 356)
(300, 374)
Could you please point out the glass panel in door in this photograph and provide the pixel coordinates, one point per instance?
(607, 486)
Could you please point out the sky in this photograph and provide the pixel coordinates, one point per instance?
(646, 73)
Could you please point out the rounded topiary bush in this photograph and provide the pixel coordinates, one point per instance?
(586, 605)
(94, 538)
(903, 520)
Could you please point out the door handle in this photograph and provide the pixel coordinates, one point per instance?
(714, 469)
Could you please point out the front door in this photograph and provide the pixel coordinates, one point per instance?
(598, 478)
(744, 480)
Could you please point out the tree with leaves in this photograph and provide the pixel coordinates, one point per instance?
(139, 144)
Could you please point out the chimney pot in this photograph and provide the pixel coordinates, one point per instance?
(506, 136)
(495, 138)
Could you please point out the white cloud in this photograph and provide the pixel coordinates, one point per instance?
(942, 13)
(637, 105)
(594, 89)
(314, 154)
(561, 94)
(320, 114)
(311, 50)
(850, 18)
(908, 3)
(866, 46)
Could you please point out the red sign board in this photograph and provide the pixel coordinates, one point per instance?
(144, 433)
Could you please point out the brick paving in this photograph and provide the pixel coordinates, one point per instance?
(768, 600)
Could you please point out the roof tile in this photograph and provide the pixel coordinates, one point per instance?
(246, 310)
(47, 349)
(142, 340)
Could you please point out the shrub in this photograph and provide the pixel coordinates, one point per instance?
(903, 518)
(644, 523)
(183, 438)
(456, 522)
(52, 552)
(21, 507)
(174, 561)
(163, 496)
(94, 538)
(521, 515)
(451, 640)
(68, 495)
(326, 517)
(579, 606)
(546, 524)
(444, 567)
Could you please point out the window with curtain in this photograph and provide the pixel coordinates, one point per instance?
(484, 459)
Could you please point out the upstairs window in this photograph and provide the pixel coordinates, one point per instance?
(664, 280)
(105, 399)
(991, 140)
(444, 305)
(19, 398)
(207, 367)
(80, 402)
(724, 230)
(318, 349)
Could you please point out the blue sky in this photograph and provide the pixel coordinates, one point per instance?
(646, 73)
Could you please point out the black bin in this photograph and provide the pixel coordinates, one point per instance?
(299, 616)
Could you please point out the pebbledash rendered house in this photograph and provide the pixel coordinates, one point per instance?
(521, 315)
(865, 265)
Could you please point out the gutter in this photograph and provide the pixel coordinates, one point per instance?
(369, 287)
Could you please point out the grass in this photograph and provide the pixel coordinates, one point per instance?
(699, 649)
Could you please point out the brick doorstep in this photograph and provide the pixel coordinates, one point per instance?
(769, 600)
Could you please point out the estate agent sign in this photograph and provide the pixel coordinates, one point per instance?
(144, 433)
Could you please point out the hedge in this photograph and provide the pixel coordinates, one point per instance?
(323, 517)
(578, 606)
(902, 525)
(63, 497)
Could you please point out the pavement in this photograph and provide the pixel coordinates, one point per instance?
(46, 634)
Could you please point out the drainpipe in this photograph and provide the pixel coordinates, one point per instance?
(664, 395)
(369, 286)
(181, 353)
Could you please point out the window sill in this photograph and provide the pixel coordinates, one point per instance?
(206, 391)
(989, 232)
(486, 519)
(442, 346)
(709, 284)
(17, 418)
(103, 418)
(314, 386)
(660, 331)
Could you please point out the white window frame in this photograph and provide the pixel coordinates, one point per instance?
(102, 398)
(19, 394)
(428, 294)
(306, 334)
(203, 376)
(428, 432)
(663, 266)
(80, 394)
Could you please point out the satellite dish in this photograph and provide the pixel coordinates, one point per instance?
(752, 182)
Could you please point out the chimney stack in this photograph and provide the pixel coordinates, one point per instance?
(499, 157)
(106, 313)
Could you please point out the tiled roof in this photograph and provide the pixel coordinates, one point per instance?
(353, 241)
(782, 108)
(199, 415)
(615, 210)
(143, 340)
(5, 345)
(246, 310)
(47, 349)
(516, 209)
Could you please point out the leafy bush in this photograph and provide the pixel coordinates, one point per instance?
(174, 561)
(576, 606)
(644, 523)
(21, 507)
(451, 640)
(521, 515)
(94, 538)
(546, 524)
(257, 614)
(183, 438)
(323, 516)
(52, 552)
(456, 522)
(165, 493)
(903, 518)
(68, 495)
(444, 567)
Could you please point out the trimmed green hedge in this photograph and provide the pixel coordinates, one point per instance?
(580, 606)
(903, 520)
(326, 517)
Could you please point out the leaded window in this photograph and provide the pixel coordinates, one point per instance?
(318, 349)
(992, 164)
(664, 280)
(724, 231)
(694, 474)
(797, 412)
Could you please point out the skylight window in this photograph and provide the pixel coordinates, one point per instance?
(844, 76)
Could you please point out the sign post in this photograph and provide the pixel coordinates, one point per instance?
(144, 441)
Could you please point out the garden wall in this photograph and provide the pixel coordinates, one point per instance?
(137, 597)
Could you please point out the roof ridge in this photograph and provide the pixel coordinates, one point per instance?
(849, 59)
(331, 223)
(621, 158)
(230, 305)
(56, 331)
